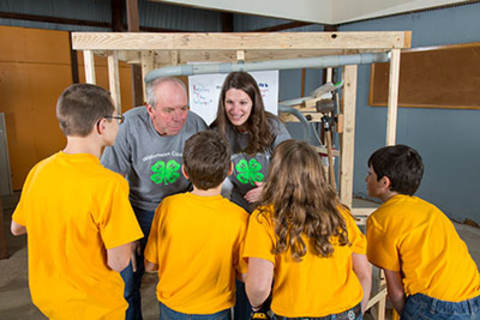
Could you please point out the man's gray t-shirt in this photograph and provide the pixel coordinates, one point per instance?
(246, 169)
(150, 161)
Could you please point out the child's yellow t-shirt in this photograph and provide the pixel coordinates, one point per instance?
(74, 209)
(413, 237)
(316, 286)
(197, 242)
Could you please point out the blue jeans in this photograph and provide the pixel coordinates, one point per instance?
(420, 306)
(353, 314)
(133, 280)
(168, 314)
(242, 308)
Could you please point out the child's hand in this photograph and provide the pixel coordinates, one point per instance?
(255, 194)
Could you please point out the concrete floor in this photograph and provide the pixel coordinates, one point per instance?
(15, 301)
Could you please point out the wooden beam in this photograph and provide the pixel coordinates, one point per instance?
(114, 80)
(73, 61)
(348, 135)
(376, 298)
(89, 61)
(132, 16)
(117, 15)
(393, 97)
(240, 41)
(227, 22)
(286, 26)
(311, 117)
(133, 28)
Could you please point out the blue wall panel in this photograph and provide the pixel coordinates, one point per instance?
(447, 139)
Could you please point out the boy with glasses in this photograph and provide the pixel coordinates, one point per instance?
(77, 215)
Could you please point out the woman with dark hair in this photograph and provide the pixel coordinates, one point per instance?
(252, 133)
(305, 239)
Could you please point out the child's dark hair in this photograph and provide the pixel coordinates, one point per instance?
(401, 164)
(206, 158)
(80, 106)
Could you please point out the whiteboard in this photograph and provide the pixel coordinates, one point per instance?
(204, 91)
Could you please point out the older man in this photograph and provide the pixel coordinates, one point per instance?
(148, 151)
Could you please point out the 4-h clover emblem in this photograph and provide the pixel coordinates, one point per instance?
(249, 172)
(165, 173)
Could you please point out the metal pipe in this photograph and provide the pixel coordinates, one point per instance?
(308, 132)
(318, 62)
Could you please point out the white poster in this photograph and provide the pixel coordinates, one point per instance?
(204, 91)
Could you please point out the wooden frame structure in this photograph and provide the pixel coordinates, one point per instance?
(155, 50)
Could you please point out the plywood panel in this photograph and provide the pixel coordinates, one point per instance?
(34, 45)
(438, 77)
(34, 70)
(29, 94)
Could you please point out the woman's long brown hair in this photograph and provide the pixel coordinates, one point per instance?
(303, 202)
(261, 136)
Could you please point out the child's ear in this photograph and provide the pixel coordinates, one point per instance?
(231, 169)
(386, 182)
(184, 171)
(100, 126)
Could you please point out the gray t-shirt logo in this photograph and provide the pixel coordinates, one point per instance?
(165, 173)
(249, 172)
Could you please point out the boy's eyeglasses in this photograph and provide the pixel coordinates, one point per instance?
(120, 118)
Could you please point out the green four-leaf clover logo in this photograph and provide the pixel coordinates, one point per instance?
(165, 173)
(249, 172)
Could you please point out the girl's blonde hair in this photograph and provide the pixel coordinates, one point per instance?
(303, 202)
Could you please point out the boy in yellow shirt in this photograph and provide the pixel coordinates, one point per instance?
(429, 272)
(77, 215)
(197, 238)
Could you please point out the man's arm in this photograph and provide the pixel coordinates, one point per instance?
(395, 289)
(362, 269)
(259, 281)
(118, 258)
(17, 229)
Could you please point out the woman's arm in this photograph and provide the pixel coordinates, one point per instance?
(362, 269)
(395, 289)
(259, 281)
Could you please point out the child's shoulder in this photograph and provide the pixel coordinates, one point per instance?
(405, 210)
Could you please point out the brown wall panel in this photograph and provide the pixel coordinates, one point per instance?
(35, 67)
(34, 45)
(34, 70)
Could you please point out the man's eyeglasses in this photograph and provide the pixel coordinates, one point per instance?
(120, 118)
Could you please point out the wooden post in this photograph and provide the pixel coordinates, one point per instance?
(393, 96)
(348, 135)
(89, 60)
(148, 64)
(134, 26)
(114, 79)
(3, 241)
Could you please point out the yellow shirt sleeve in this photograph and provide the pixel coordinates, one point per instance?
(381, 249)
(355, 236)
(116, 214)
(20, 214)
(260, 241)
(151, 250)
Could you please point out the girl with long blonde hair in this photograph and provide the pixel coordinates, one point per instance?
(302, 237)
